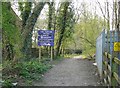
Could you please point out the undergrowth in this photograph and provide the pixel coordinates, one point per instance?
(25, 71)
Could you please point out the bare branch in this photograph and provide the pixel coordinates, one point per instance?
(88, 41)
(101, 10)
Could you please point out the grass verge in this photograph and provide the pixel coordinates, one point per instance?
(24, 73)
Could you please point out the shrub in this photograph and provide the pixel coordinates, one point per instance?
(28, 69)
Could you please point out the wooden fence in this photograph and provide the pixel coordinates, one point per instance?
(110, 72)
(110, 68)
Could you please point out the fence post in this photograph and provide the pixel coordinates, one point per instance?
(114, 65)
(108, 59)
(104, 49)
(119, 55)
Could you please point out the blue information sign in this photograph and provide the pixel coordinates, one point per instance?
(46, 37)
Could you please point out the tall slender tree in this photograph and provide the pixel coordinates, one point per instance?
(63, 13)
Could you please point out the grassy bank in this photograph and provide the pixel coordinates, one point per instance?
(23, 73)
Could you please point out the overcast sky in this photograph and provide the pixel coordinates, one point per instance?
(77, 3)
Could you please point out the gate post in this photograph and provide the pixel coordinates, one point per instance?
(111, 53)
(103, 49)
(114, 67)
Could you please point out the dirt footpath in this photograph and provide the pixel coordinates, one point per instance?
(71, 72)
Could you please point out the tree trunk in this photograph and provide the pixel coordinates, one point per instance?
(7, 49)
(118, 26)
(50, 20)
(26, 13)
(116, 19)
(27, 33)
(50, 15)
(63, 28)
(108, 16)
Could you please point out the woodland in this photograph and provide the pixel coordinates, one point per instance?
(76, 30)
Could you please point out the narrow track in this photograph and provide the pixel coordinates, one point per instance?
(71, 72)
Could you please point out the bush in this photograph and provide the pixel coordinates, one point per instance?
(28, 69)
(7, 83)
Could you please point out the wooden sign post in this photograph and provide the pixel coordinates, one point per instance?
(51, 53)
(39, 54)
(46, 38)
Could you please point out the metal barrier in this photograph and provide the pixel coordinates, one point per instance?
(107, 58)
(99, 51)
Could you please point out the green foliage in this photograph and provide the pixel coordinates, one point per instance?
(10, 29)
(69, 20)
(86, 34)
(7, 83)
(86, 31)
(29, 69)
(8, 24)
(69, 24)
(25, 8)
(89, 32)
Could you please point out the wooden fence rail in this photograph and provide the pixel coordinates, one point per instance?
(107, 78)
(108, 57)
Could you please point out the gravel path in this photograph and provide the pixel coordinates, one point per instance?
(71, 72)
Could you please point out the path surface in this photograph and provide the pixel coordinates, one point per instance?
(71, 72)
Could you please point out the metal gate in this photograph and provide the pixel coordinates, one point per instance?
(107, 58)
(99, 51)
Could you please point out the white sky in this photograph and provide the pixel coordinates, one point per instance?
(77, 4)
(91, 3)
